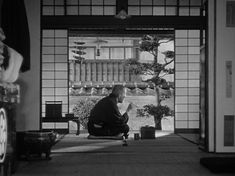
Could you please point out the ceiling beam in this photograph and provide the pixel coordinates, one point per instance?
(175, 22)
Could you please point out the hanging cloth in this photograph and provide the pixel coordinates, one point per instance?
(15, 26)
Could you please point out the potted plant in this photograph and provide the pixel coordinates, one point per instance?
(82, 110)
(158, 112)
(154, 73)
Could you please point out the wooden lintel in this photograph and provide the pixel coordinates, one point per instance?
(110, 22)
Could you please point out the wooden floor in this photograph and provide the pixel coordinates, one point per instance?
(167, 155)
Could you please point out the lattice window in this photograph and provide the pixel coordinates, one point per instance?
(54, 68)
(187, 79)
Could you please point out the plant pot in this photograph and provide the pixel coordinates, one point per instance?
(147, 132)
(74, 126)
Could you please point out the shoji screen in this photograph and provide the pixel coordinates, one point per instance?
(54, 68)
(187, 79)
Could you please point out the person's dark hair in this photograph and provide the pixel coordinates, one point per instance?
(117, 90)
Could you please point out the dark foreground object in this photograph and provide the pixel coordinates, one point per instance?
(35, 143)
(147, 132)
(219, 164)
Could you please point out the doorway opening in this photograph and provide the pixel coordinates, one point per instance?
(99, 61)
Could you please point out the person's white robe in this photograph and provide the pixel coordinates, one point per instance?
(11, 73)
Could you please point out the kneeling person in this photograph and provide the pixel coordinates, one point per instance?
(105, 118)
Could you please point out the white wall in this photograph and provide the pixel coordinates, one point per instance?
(28, 112)
(224, 51)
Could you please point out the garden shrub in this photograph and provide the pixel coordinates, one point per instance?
(82, 109)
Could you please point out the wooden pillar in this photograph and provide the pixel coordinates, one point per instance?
(77, 72)
(105, 72)
(99, 72)
(94, 72)
(83, 72)
(115, 72)
(110, 72)
(121, 72)
(88, 71)
(127, 74)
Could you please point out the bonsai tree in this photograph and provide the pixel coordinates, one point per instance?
(156, 71)
(158, 112)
